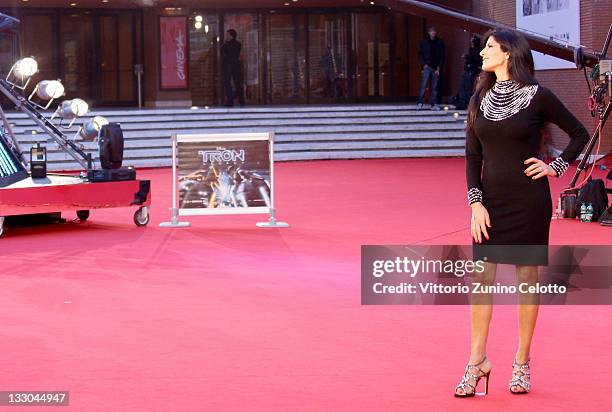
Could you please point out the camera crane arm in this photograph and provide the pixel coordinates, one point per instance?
(539, 42)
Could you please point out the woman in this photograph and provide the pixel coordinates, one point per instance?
(508, 190)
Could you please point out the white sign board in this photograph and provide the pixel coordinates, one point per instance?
(224, 173)
(555, 19)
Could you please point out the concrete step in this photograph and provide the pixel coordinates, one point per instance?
(160, 150)
(373, 145)
(252, 109)
(24, 121)
(293, 156)
(155, 141)
(368, 154)
(301, 132)
(277, 124)
(440, 134)
(312, 130)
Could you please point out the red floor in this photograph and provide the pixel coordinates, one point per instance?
(226, 316)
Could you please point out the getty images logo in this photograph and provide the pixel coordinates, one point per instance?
(221, 155)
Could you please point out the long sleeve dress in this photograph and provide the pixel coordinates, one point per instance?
(506, 133)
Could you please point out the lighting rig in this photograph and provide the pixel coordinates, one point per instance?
(68, 111)
(110, 186)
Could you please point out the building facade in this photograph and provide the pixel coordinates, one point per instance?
(306, 55)
(294, 52)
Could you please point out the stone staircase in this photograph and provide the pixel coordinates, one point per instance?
(301, 132)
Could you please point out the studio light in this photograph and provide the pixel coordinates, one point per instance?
(70, 110)
(47, 90)
(21, 72)
(26, 67)
(100, 121)
(91, 129)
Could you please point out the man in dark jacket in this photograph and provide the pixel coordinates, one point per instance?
(431, 57)
(232, 68)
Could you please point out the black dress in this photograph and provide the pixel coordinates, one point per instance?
(507, 132)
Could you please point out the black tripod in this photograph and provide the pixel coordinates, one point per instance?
(602, 110)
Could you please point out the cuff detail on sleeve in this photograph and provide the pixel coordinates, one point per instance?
(474, 195)
(559, 166)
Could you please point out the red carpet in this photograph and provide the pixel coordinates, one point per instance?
(226, 316)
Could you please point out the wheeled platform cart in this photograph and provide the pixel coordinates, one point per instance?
(58, 193)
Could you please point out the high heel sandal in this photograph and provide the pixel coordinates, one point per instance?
(473, 374)
(521, 378)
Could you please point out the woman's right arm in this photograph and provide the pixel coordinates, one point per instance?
(480, 217)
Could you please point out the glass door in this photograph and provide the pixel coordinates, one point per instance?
(371, 50)
(401, 58)
(248, 28)
(115, 59)
(76, 55)
(109, 82)
(287, 60)
(40, 44)
(204, 81)
(327, 57)
(93, 53)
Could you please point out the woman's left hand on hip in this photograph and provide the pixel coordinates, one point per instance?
(538, 168)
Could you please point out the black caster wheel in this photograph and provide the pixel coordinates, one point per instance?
(141, 217)
(83, 215)
(1, 226)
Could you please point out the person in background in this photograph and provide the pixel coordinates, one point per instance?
(431, 57)
(332, 73)
(232, 68)
(473, 65)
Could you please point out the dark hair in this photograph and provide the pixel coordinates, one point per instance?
(520, 66)
(232, 33)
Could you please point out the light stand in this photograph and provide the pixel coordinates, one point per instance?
(568, 197)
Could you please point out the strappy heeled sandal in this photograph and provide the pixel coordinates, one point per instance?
(473, 374)
(521, 378)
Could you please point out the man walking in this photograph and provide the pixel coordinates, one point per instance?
(431, 57)
(232, 69)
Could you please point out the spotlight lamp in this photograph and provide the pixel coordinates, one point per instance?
(47, 90)
(22, 71)
(90, 130)
(70, 110)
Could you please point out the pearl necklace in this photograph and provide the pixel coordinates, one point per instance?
(505, 99)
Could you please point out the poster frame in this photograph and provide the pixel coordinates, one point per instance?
(220, 138)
